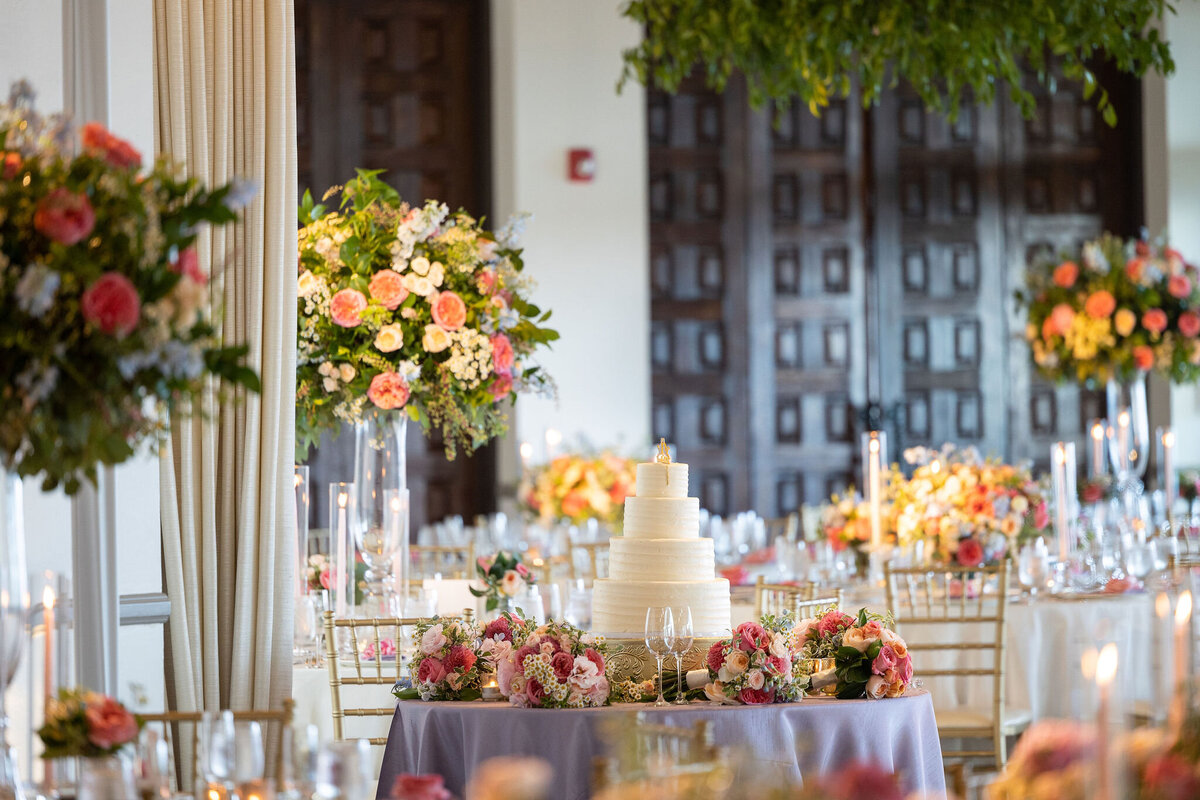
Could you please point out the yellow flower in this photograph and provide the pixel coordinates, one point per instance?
(1124, 321)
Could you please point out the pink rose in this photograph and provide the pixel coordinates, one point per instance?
(64, 216)
(500, 386)
(346, 307)
(386, 648)
(752, 637)
(502, 354)
(112, 304)
(188, 265)
(522, 654)
(970, 553)
(498, 626)
(834, 622)
(872, 630)
(757, 697)
(716, 657)
(534, 691)
(1041, 516)
(884, 661)
(599, 691)
(449, 311)
(904, 669)
(1155, 320)
(420, 787)
(387, 286)
(486, 281)
(388, 390)
(431, 670)
(1100, 304)
(1065, 274)
(1179, 287)
(777, 665)
(1143, 357)
(116, 151)
(459, 657)
(326, 579)
(1189, 324)
(10, 165)
(109, 723)
(523, 571)
(562, 663)
(595, 658)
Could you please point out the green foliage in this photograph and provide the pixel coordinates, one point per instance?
(950, 51)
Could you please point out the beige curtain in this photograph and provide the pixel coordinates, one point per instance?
(226, 107)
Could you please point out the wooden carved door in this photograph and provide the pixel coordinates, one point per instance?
(399, 85)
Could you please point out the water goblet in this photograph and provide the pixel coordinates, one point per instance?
(660, 638)
(684, 636)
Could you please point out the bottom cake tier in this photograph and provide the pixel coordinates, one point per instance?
(619, 607)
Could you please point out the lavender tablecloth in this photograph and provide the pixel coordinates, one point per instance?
(808, 738)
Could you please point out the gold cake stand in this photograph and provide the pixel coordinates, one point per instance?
(631, 659)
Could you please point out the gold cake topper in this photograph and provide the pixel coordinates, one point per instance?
(664, 452)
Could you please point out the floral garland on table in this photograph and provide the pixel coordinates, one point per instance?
(86, 724)
(870, 659)
(503, 576)
(555, 665)
(577, 488)
(968, 509)
(104, 322)
(1116, 309)
(449, 664)
(758, 665)
(411, 308)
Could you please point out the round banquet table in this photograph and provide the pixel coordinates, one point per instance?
(811, 737)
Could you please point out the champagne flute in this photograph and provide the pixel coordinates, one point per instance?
(682, 617)
(660, 638)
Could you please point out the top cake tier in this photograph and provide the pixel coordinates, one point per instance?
(662, 480)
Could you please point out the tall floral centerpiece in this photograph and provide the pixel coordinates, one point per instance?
(407, 313)
(575, 488)
(1109, 315)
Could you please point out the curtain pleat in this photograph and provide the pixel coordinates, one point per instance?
(225, 107)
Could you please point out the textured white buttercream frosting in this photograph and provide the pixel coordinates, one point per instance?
(662, 480)
(619, 607)
(662, 518)
(660, 559)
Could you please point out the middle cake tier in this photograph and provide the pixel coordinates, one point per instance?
(660, 559)
(662, 518)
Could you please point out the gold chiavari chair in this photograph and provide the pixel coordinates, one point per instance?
(377, 670)
(788, 527)
(550, 568)
(589, 560)
(278, 719)
(961, 626)
(803, 600)
(648, 751)
(450, 561)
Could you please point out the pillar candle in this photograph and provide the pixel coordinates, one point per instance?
(1183, 657)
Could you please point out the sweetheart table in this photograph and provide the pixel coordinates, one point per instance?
(812, 737)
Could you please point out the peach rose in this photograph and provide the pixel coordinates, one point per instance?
(390, 338)
(387, 286)
(10, 165)
(116, 151)
(1189, 324)
(1179, 287)
(1065, 274)
(736, 662)
(573, 503)
(64, 216)
(1143, 357)
(109, 723)
(502, 354)
(1100, 304)
(1134, 268)
(112, 304)
(435, 340)
(346, 307)
(1155, 320)
(1062, 316)
(1124, 321)
(876, 687)
(306, 284)
(893, 640)
(449, 311)
(388, 390)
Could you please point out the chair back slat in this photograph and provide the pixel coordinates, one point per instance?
(803, 599)
(450, 561)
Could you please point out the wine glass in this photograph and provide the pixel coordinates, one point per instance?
(660, 638)
(344, 771)
(1033, 566)
(306, 636)
(682, 617)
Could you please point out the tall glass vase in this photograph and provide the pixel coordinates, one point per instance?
(1128, 438)
(14, 613)
(381, 515)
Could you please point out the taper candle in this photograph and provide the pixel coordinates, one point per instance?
(1170, 481)
(1183, 640)
(874, 454)
(1096, 466)
(1106, 670)
(1062, 464)
(48, 601)
(342, 572)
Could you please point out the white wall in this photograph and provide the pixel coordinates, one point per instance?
(1181, 186)
(31, 46)
(555, 65)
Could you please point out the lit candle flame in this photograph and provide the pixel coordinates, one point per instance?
(874, 444)
(526, 451)
(342, 498)
(1087, 665)
(1168, 439)
(1106, 665)
(48, 597)
(1098, 431)
(1183, 611)
(1162, 606)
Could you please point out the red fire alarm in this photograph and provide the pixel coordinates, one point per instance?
(581, 165)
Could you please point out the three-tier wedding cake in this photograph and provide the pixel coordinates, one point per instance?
(661, 560)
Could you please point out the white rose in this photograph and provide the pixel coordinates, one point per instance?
(420, 265)
(408, 313)
(347, 372)
(331, 384)
(437, 273)
(408, 281)
(779, 646)
(422, 287)
(389, 338)
(327, 369)
(737, 662)
(433, 640)
(436, 340)
(876, 687)
(756, 679)
(715, 692)
(307, 285)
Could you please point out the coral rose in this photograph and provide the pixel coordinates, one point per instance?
(757, 697)
(459, 657)
(346, 307)
(1143, 357)
(503, 357)
(188, 265)
(833, 622)
(753, 636)
(1155, 320)
(1065, 274)
(420, 787)
(116, 151)
(431, 670)
(1060, 319)
(1189, 324)
(112, 304)
(387, 286)
(64, 216)
(1134, 268)
(1100, 304)
(388, 390)
(1179, 287)
(573, 503)
(109, 724)
(1124, 321)
(970, 553)
(449, 311)
(10, 165)
(500, 386)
